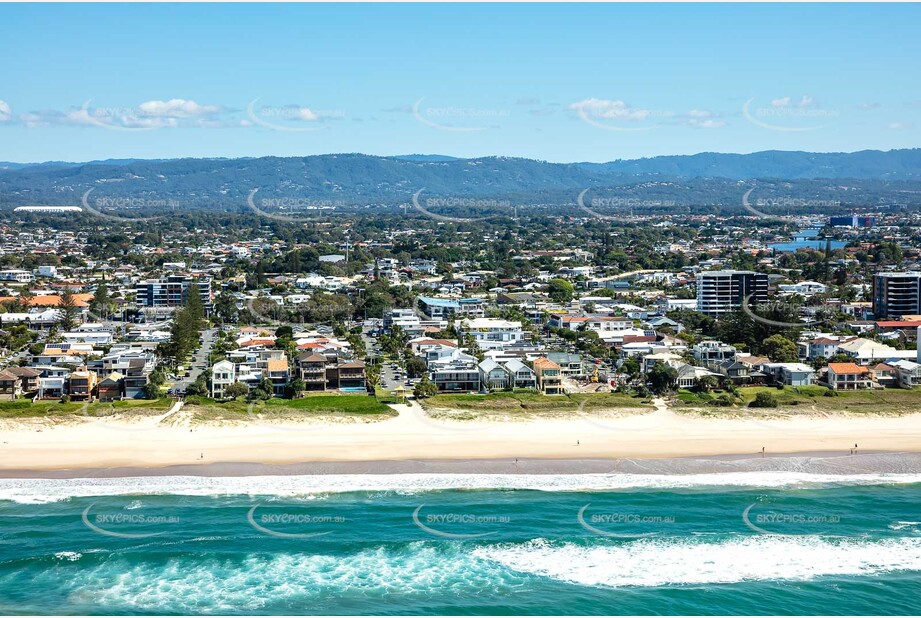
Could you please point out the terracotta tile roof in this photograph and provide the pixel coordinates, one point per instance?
(51, 300)
(847, 368)
(545, 363)
(255, 342)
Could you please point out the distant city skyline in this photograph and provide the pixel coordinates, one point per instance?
(561, 83)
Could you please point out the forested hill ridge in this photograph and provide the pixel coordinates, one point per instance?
(365, 179)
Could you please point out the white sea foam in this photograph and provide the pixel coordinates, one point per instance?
(258, 582)
(36, 491)
(662, 562)
(261, 582)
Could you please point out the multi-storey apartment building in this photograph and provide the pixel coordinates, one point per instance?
(493, 333)
(723, 291)
(171, 291)
(458, 307)
(896, 294)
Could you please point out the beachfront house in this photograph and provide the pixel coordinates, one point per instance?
(549, 376)
(520, 375)
(790, 374)
(908, 373)
(82, 384)
(110, 387)
(458, 375)
(223, 374)
(848, 377)
(492, 375)
(10, 386)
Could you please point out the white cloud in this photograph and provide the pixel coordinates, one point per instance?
(873, 105)
(176, 108)
(33, 120)
(898, 126)
(5, 112)
(135, 122)
(306, 114)
(699, 113)
(608, 108)
(805, 101)
(707, 124)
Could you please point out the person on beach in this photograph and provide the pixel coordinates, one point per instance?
(762, 452)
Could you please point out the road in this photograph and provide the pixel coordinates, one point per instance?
(199, 361)
(388, 374)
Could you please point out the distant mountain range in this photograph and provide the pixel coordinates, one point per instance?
(363, 179)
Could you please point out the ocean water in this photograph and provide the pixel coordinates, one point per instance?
(733, 543)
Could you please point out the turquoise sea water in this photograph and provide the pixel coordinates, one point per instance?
(748, 543)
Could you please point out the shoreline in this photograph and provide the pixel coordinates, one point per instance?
(414, 440)
(806, 462)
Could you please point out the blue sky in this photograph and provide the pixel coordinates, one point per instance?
(560, 82)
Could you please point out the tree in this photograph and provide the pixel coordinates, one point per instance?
(560, 290)
(294, 388)
(705, 383)
(416, 367)
(157, 377)
(284, 332)
(198, 387)
(194, 306)
(151, 391)
(661, 378)
(425, 388)
(235, 390)
(102, 304)
(264, 390)
(225, 308)
(780, 349)
(69, 311)
(764, 400)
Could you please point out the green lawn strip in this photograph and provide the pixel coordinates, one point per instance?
(23, 408)
(327, 404)
(527, 401)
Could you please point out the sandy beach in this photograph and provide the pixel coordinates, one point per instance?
(151, 442)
